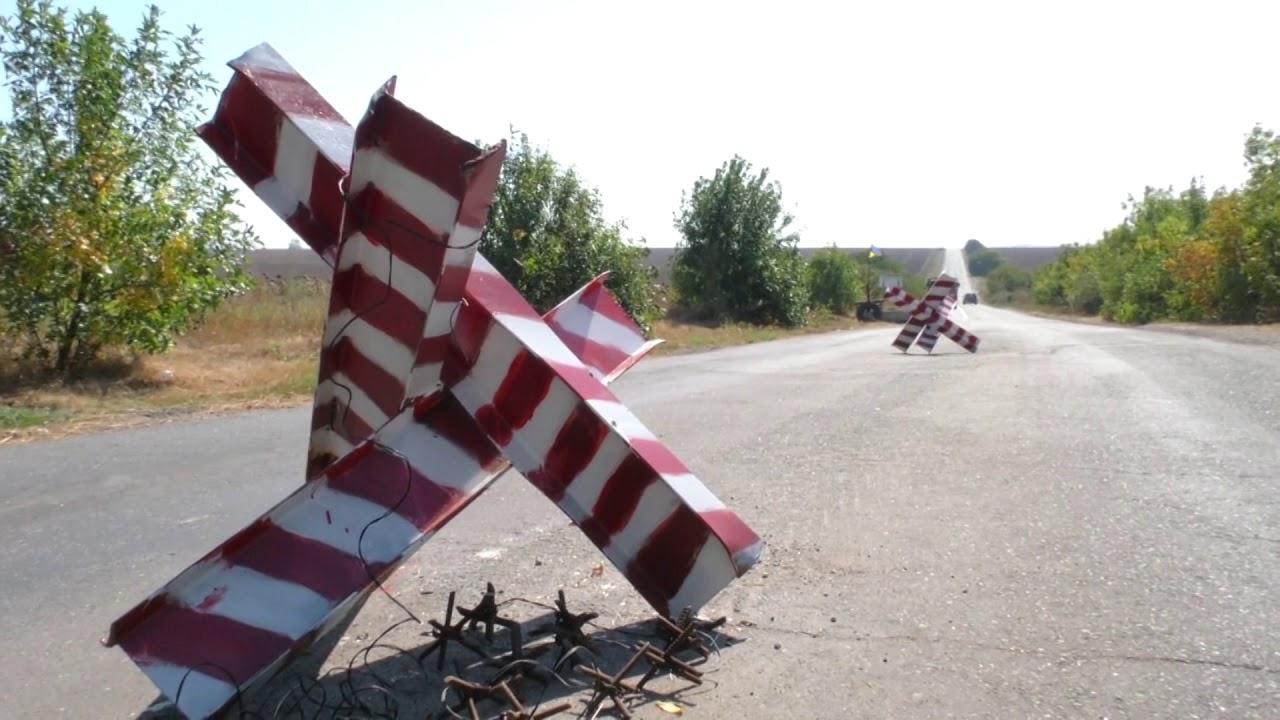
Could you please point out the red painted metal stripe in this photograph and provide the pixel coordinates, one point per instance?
(377, 304)
(603, 302)
(421, 146)
(524, 388)
(598, 355)
(292, 94)
(621, 494)
(211, 644)
(582, 383)
(470, 330)
(272, 550)
(668, 556)
(573, 449)
(497, 295)
(730, 529)
(385, 223)
(389, 481)
(380, 386)
(658, 456)
(452, 421)
(481, 184)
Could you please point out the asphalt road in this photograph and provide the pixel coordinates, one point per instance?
(1077, 521)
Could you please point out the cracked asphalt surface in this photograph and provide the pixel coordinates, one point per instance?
(1077, 521)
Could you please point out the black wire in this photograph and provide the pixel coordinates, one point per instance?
(408, 487)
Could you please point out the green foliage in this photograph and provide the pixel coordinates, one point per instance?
(917, 285)
(1085, 293)
(982, 262)
(973, 246)
(835, 280)
(1007, 279)
(547, 235)
(737, 261)
(114, 230)
(1183, 256)
(17, 418)
(1260, 206)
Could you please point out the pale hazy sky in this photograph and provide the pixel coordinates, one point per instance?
(899, 124)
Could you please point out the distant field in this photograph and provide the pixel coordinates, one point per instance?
(1028, 258)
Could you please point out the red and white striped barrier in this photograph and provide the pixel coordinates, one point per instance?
(436, 376)
(599, 331)
(930, 317)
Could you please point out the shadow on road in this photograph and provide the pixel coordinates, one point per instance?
(398, 673)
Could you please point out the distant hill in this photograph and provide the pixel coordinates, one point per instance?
(289, 263)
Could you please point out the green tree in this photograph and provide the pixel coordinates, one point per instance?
(835, 280)
(982, 262)
(547, 234)
(1006, 280)
(1260, 207)
(737, 260)
(113, 230)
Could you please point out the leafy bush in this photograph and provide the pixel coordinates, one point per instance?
(737, 261)
(982, 262)
(834, 280)
(1007, 279)
(1085, 293)
(1186, 256)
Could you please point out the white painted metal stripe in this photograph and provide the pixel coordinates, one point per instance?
(334, 138)
(621, 420)
(424, 380)
(327, 440)
(656, 505)
(201, 694)
(430, 454)
(531, 443)
(337, 519)
(348, 393)
(252, 598)
(416, 195)
(586, 323)
(382, 349)
(694, 494)
(377, 260)
(585, 489)
(711, 572)
(539, 339)
(497, 352)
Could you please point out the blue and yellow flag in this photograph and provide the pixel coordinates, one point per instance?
(874, 252)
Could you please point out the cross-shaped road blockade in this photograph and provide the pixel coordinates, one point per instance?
(435, 377)
(931, 317)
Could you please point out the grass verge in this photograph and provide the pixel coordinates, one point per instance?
(684, 337)
(258, 350)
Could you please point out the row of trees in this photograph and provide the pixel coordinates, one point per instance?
(1183, 255)
(115, 230)
(738, 259)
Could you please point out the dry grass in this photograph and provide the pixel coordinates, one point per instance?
(682, 337)
(257, 350)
